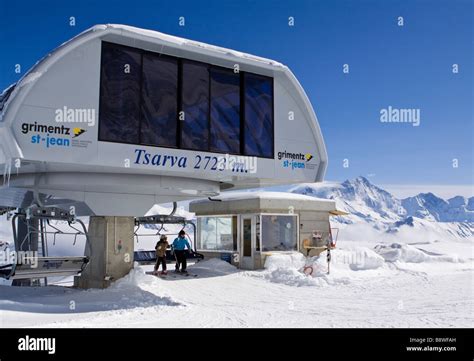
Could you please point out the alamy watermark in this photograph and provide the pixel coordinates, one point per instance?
(19, 257)
(237, 163)
(356, 260)
(28, 343)
(400, 115)
(75, 115)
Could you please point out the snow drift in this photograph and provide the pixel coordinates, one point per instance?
(213, 265)
(294, 269)
(405, 253)
(347, 264)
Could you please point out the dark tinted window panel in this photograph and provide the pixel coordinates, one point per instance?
(119, 94)
(258, 115)
(225, 111)
(195, 104)
(159, 100)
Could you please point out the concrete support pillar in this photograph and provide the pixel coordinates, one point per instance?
(111, 251)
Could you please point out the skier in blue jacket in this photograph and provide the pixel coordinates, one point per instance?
(179, 248)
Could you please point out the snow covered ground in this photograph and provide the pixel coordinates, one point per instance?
(365, 289)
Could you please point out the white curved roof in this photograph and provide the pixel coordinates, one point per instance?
(265, 195)
(249, 202)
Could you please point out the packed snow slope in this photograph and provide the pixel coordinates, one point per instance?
(362, 290)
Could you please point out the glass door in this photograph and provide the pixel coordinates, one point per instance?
(247, 245)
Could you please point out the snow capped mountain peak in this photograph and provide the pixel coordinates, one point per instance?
(357, 196)
(360, 180)
(370, 205)
(430, 206)
(371, 194)
(470, 204)
(457, 201)
(431, 199)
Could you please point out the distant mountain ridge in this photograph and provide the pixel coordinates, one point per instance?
(362, 192)
(370, 204)
(428, 205)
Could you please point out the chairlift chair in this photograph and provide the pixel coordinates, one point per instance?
(149, 256)
(44, 266)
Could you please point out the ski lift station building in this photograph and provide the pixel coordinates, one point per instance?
(245, 227)
(119, 118)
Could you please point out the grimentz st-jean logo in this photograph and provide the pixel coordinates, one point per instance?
(53, 136)
(296, 160)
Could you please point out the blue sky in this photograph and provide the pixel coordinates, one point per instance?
(402, 67)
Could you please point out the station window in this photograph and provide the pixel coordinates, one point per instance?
(147, 98)
(120, 94)
(217, 233)
(279, 233)
(159, 100)
(195, 105)
(258, 115)
(225, 111)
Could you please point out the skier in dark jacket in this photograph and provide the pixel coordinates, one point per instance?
(160, 249)
(179, 248)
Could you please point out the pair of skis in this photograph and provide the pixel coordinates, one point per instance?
(173, 274)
